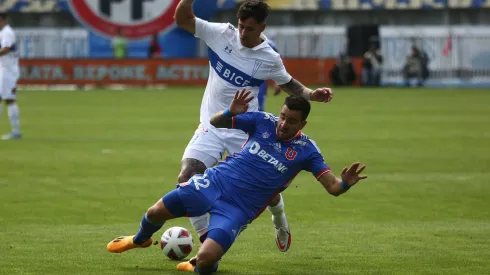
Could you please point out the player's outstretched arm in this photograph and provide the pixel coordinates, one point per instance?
(349, 177)
(239, 105)
(294, 87)
(184, 16)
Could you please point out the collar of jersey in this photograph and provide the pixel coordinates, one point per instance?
(258, 47)
(298, 135)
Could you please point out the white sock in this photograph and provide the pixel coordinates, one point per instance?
(278, 216)
(13, 112)
(200, 224)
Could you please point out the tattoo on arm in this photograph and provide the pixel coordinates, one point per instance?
(294, 87)
(221, 121)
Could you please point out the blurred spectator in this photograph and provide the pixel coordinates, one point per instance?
(119, 45)
(416, 66)
(154, 49)
(343, 73)
(371, 67)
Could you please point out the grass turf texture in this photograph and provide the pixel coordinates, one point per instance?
(91, 163)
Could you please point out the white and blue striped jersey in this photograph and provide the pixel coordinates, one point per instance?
(233, 66)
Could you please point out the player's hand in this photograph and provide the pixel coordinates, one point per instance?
(239, 105)
(322, 95)
(351, 175)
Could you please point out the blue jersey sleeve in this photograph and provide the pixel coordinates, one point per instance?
(246, 122)
(315, 162)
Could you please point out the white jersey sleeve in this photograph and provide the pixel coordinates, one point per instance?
(209, 31)
(7, 40)
(279, 74)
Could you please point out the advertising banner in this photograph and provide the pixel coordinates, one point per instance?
(402, 4)
(137, 72)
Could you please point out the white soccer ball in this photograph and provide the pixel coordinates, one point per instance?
(176, 243)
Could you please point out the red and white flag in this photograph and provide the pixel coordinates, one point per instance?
(448, 47)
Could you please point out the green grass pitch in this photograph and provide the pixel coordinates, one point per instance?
(91, 163)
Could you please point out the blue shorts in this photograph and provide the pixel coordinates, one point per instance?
(200, 196)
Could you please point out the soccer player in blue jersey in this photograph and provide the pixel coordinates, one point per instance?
(237, 190)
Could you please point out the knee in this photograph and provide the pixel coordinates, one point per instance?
(206, 260)
(183, 176)
(158, 213)
(9, 101)
(153, 212)
(275, 201)
(190, 167)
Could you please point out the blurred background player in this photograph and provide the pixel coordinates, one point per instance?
(154, 49)
(372, 66)
(265, 86)
(416, 66)
(238, 58)
(9, 73)
(235, 191)
(120, 45)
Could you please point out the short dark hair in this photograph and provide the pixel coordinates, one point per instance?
(257, 9)
(298, 103)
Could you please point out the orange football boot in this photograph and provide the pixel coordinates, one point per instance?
(124, 243)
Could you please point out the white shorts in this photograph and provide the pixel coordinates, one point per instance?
(209, 144)
(7, 87)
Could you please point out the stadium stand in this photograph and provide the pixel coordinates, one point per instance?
(453, 34)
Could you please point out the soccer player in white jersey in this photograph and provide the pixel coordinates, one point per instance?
(9, 73)
(238, 57)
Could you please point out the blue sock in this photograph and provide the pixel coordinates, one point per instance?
(214, 269)
(203, 237)
(147, 228)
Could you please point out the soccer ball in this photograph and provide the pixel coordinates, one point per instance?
(176, 243)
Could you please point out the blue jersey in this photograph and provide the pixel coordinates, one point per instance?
(265, 166)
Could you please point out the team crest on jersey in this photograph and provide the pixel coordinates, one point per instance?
(265, 135)
(291, 154)
(228, 49)
(256, 67)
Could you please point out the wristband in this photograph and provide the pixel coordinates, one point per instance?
(345, 186)
(227, 113)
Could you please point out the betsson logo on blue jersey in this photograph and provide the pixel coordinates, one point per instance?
(231, 74)
(255, 150)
